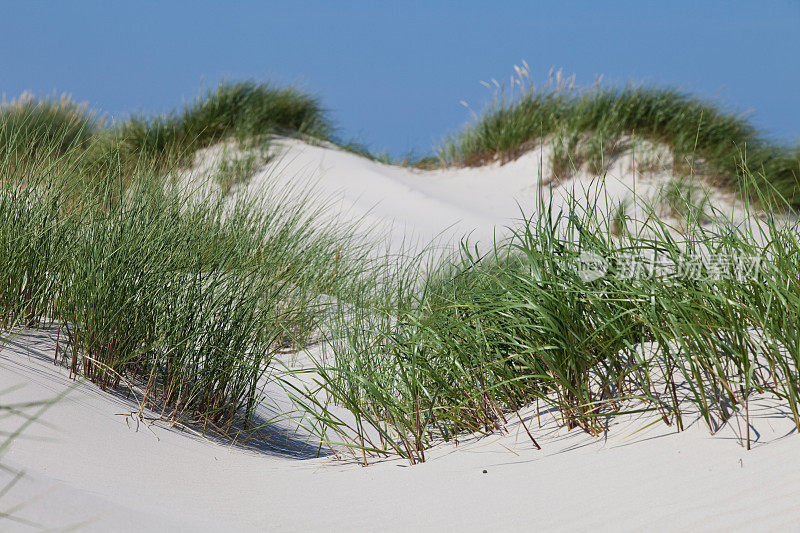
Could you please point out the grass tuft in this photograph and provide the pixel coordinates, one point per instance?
(186, 297)
(241, 110)
(712, 140)
(54, 126)
(427, 355)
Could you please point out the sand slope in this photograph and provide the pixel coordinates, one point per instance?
(442, 206)
(89, 461)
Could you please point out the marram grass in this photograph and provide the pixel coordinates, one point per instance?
(590, 125)
(243, 110)
(65, 132)
(426, 355)
(190, 297)
(50, 126)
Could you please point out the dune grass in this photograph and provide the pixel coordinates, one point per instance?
(426, 355)
(241, 110)
(63, 131)
(237, 166)
(182, 295)
(51, 125)
(591, 125)
(185, 296)
(188, 297)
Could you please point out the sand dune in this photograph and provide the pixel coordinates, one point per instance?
(443, 205)
(89, 460)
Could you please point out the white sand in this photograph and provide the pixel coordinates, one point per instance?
(88, 461)
(444, 205)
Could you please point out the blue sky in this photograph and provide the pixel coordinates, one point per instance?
(393, 74)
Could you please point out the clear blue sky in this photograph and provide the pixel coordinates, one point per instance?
(392, 73)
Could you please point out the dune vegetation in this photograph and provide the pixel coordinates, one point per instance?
(188, 298)
(245, 111)
(590, 126)
(185, 296)
(468, 345)
(70, 135)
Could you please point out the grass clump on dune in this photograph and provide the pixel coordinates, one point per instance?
(464, 347)
(81, 147)
(182, 296)
(242, 110)
(53, 126)
(701, 135)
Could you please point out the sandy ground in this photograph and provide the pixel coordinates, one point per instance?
(89, 462)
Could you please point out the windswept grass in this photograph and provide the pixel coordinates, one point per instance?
(241, 110)
(426, 355)
(49, 126)
(186, 296)
(182, 295)
(80, 147)
(700, 133)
